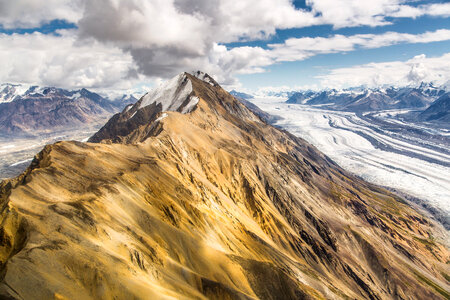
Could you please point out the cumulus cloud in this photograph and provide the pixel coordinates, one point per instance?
(63, 61)
(350, 13)
(70, 62)
(159, 38)
(165, 37)
(434, 9)
(33, 13)
(413, 71)
(241, 18)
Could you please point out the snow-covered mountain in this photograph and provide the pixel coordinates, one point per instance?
(10, 91)
(241, 95)
(371, 99)
(438, 111)
(30, 110)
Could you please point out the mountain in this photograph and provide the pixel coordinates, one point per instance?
(438, 111)
(125, 100)
(430, 89)
(189, 195)
(240, 95)
(243, 98)
(35, 110)
(268, 118)
(278, 94)
(301, 97)
(375, 99)
(9, 91)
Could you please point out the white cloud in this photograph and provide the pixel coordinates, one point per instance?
(413, 71)
(298, 49)
(67, 61)
(233, 19)
(248, 60)
(33, 13)
(62, 61)
(435, 10)
(166, 37)
(350, 13)
(159, 38)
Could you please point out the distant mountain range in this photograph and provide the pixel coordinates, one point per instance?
(31, 110)
(438, 111)
(427, 102)
(366, 99)
(241, 95)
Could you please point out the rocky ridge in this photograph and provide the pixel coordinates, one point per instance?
(188, 194)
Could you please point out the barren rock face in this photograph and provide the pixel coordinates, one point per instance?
(211, 203)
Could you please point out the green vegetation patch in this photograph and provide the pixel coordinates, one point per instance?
(430, 283)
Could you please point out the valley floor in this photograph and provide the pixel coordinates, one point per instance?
(406, 157)
(17, 153)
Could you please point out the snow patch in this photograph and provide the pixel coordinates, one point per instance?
(8, 147)
(204, 77)
(75, 96)
(8, 92)
(21, 162)
(127, 108)
(170, 95)
(21, 89)
(191, 105)
(164, 115)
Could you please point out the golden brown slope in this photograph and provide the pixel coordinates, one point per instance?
(211, 204)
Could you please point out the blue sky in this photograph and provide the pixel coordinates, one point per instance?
(301, 73)
(251, 45)
(51, 27)
(304, 72)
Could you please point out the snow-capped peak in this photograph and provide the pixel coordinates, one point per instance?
(75, 95)
(172, 95)
(8, 91)
(204, 77)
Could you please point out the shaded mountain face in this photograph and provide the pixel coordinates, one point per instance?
(371, 99)
(40, 110)
(240, 95)
(439, 111)
(265, 117)
(197, 198)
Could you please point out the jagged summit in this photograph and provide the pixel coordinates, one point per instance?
(205, 77)
(174, 95)
(177, 93)
(181, 94)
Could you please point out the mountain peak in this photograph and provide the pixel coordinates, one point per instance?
(177, 93)
(207, 204)
(173, 95)
(181, 94)
(205, 77)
